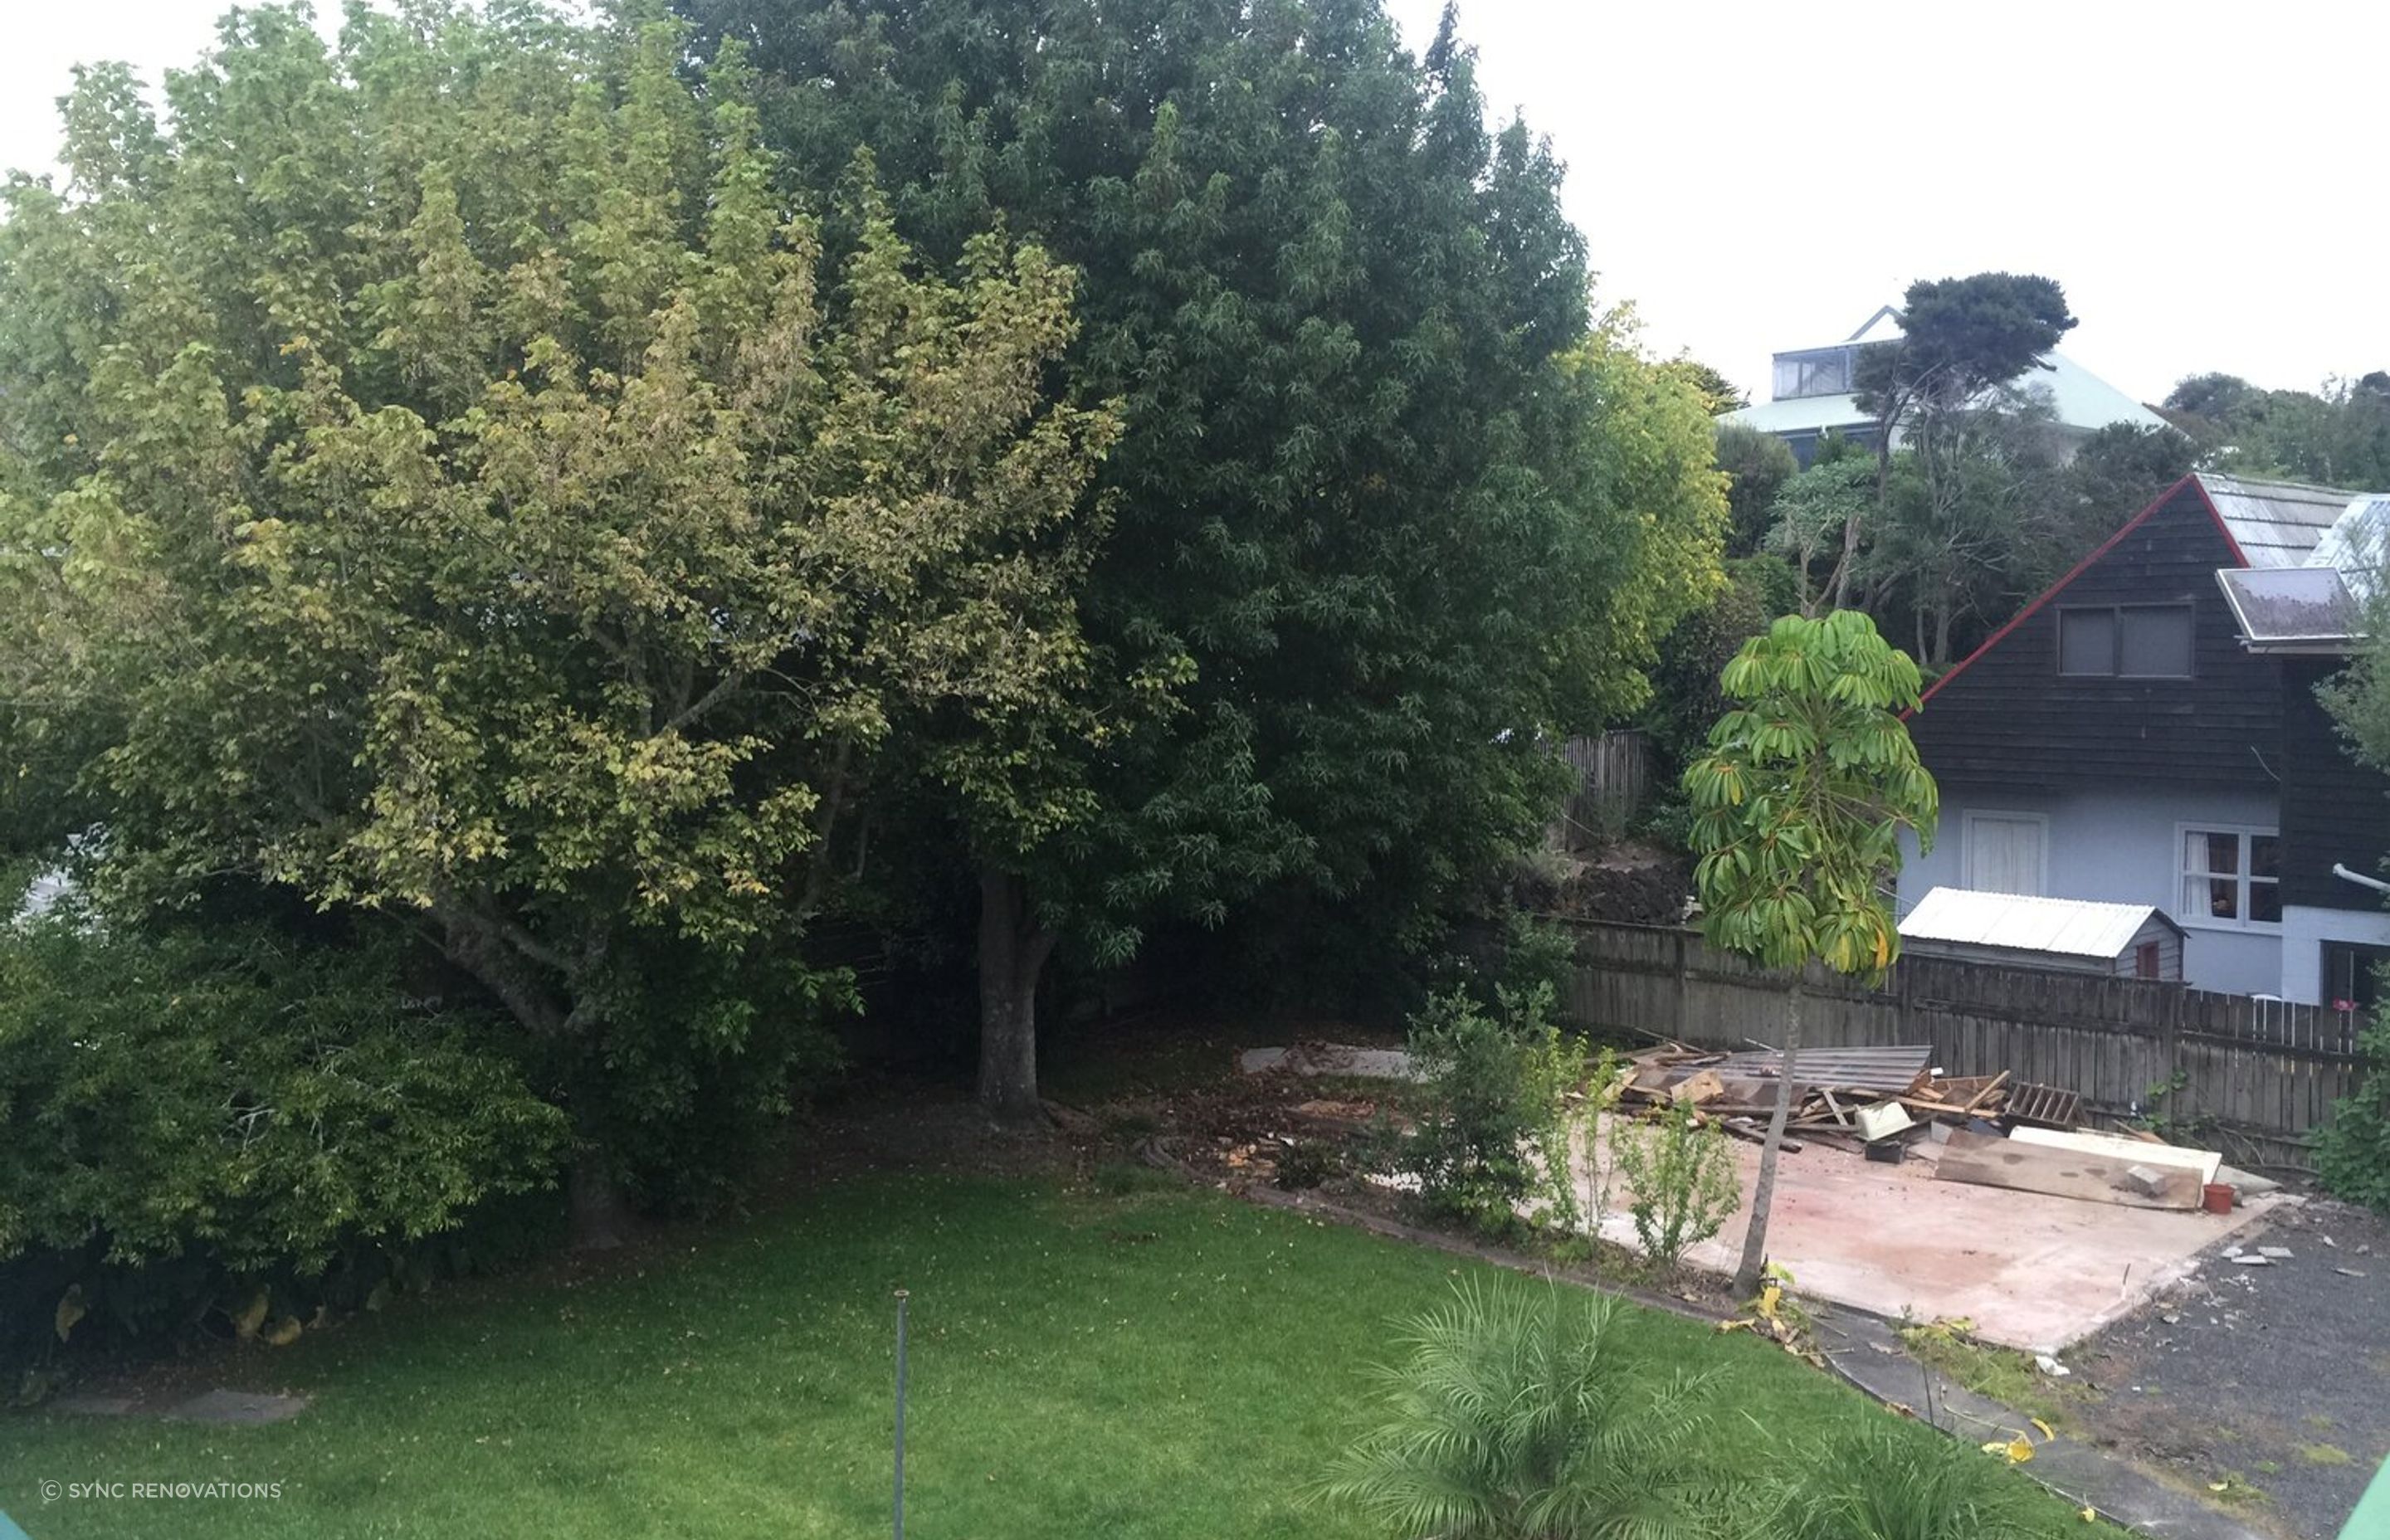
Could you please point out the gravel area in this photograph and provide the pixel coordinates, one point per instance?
(2274, 1378)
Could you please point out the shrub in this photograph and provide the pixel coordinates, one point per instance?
(2353, 1151)
(1681, 1183)
(190, 1118)
(1516, 1417)
(1493, 1119)
(1307, 1164)
(1883, 1484)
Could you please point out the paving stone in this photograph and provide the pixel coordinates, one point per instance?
(238, 1407)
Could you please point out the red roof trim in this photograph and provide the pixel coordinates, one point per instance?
(2168, 495)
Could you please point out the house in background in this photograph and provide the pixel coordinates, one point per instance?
(1812, 394)
(2129, 738)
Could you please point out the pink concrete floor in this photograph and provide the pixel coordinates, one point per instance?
(2031, 1271)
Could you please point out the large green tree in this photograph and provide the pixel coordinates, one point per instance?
(2335, 436)
(1373, 507)
(1798, 810)
(1961, 339)
(445, 476)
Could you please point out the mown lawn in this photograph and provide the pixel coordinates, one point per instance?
(1150, 1364)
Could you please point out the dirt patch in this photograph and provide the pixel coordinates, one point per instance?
(1634, 882)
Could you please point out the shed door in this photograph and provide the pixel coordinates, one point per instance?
(2004, 852)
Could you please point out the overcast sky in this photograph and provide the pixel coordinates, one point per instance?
(2204, 179)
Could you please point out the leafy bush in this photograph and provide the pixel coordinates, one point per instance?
(1493, 1119)
(1307, 1164)
(191, 1117)
(1681, 1183)
(1536, 954)
(1517, 1417)
(2353, 1151)
(1881, 1485)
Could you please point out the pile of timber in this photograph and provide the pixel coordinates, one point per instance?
(1829, 1085)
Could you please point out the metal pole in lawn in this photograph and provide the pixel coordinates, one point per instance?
(902, 1295)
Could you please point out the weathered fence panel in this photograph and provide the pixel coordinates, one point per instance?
(1613, 774)
(2263, 1073)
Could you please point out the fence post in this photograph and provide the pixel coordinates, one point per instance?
(2170, 1036)
(1684, 987)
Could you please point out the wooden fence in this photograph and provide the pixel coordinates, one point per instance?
(1613, 776)
(2262, 1074)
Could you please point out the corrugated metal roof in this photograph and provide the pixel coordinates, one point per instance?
(2275, 523)
(2019, 922)
(2080, 399)
(1802, 414)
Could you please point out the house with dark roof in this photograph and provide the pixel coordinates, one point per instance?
(1813, 391)
(2148, 732)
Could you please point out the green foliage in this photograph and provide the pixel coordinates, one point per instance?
(234, 1107)
(2338, 435)
(1388, 504)
(1495, 1125)
(1959, 338)
(1800, 803)
(1877, 1485)
(1307, 1164)
(1517, 1416)
(1538, 958)
(2353, 1150)
(1757, 466)
(1681, 1182)
(446, 475)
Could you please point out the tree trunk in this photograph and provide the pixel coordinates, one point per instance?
(599, 1216)
(1012, 952)
(1762, 1195)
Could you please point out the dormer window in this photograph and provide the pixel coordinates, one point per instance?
(2132, 641)
(1819, 372)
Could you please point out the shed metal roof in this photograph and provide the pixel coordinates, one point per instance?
(2275, 523)
(2020, 922)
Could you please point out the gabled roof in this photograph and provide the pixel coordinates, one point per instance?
(2318, 606)
(2019, 922)
(2274, 523)
(2078, 399)
(2285, 521)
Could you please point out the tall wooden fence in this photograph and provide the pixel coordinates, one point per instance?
(2262, 1073)
(1613, 776)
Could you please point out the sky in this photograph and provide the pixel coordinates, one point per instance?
(2204, 179)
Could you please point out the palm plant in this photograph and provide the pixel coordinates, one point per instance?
(1888, 1483)
(1517, 1416)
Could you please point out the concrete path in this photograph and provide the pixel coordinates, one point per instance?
(1866, 1352)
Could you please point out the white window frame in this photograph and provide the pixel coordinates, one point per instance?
(2183, 874)
(1967, 843)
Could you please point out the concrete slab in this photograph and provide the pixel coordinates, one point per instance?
(2032, 1271)
(1330, 1059)
(237, 1406)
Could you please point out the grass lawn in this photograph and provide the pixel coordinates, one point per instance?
(1155, 1362)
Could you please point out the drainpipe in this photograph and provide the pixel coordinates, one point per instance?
(2362, 881)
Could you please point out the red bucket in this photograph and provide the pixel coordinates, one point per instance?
(2216, 1197)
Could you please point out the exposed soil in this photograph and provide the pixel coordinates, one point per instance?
(1634, 882)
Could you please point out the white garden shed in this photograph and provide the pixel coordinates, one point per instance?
(2125, 941)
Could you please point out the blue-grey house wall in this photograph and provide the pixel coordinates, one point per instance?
(2122, 847)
